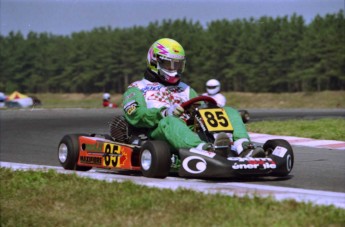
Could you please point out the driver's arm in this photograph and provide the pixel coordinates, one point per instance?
(136, 111)
(192, 93)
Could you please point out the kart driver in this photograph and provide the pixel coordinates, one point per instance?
(106, 101)
(155, 103)
(213, 90)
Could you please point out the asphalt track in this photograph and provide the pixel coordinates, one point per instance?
(32, 137)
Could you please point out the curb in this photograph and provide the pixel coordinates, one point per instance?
(300, 141)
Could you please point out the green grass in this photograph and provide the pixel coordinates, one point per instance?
(74, 100)
(328, 129)
(325, 99)
(51, 199)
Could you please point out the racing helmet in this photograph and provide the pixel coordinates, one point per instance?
(166, 59)
(212, 86)
(106, 96)
(2, 97)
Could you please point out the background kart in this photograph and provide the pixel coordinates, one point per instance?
(129, 148)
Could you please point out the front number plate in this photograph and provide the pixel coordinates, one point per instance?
(216, 120)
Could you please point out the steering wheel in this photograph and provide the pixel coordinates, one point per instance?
(190, 102)
(189, 107)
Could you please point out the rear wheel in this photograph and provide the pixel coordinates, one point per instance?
(155, 159)
(68, 152)
(281, 152)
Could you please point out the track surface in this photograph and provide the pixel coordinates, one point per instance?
(32, 136)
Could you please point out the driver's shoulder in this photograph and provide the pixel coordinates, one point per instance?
(137, 84)
(183, 85)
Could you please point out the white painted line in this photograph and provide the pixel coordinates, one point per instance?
(317, 197)
(300, 141)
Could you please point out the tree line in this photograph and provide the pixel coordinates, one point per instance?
(282, 54)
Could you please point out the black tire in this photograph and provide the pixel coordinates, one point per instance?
(155, 159)
(285, 163)
(244, 115)
(70, 144)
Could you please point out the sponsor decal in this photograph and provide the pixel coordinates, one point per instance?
(253, 166)
(97, 147)
(194, 164)
(90, 160)
(200, 123)
(279, 151)
(175, 50)
(151, 87)
(203, 152)
(239, 159)
(252, 163)
(245, 166)
(130, 107)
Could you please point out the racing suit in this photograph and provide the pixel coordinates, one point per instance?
(219, 98)
(145, 100)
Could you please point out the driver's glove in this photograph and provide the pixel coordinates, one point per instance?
(173, 110)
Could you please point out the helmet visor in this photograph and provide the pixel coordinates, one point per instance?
(171, 64)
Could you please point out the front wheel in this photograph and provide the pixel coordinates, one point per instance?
(281, 152)
(155, 159)
(68, 152)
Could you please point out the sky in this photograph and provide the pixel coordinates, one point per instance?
(63, 17)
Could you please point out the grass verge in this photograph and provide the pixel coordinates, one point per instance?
(240, 100)
(328, 129)
(51, 199)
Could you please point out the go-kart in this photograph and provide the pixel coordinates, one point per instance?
(129, 149)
